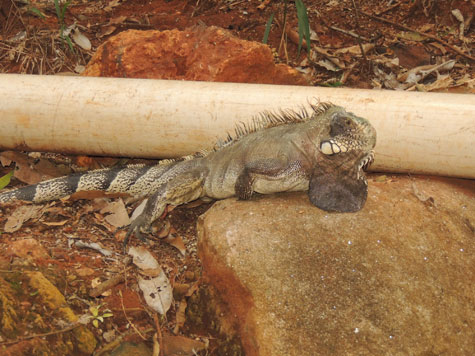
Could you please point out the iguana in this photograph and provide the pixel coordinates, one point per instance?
(323, 150)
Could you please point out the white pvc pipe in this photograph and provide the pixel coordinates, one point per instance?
(430, 133)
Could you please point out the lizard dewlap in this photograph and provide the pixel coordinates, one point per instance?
(323, 150)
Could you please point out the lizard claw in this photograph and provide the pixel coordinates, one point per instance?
(136, 228)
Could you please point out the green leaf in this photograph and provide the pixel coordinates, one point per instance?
(411, 36)
(5, 180)
(268, 26)
(107, 315)
(304, 27)
(58, 10)
(94, 311)
(65, 6)
(37, 12)
(331, 85)
(70, 44)
(95, 323)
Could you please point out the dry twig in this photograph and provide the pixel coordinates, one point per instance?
(406, 28)
(350, 33)
(357, 24)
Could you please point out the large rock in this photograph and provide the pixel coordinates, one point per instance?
(397, 278)
(200, 53)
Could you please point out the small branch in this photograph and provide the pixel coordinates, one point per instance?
(455, 49)
(358, 29)
(65, 330)
(159, 332)
(127, 318)
(101, 288)
(350, 33)
(388, 9)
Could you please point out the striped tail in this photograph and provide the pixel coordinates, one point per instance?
(136, 180)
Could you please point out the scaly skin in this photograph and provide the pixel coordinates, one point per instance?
(323, 152)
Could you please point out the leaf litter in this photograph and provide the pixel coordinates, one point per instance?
(30, 43)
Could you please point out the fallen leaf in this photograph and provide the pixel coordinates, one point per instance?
(180, 313)
(84, 271)
(411, 36)
(356, 50)
(440, 47)
(106, 30)
(5, 180)
(181, 346)
(21, 215)
(177, 242)
(442, 82)
(117, 20)
(138, 210)
(81, 40)
(158, 292)
(26, 170)
(55, 223)
(94, 246)
(118, 215)
(142, 258)
(164, 229)
(325, 63)
(112, 4)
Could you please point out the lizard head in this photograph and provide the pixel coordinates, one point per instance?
(338, 183)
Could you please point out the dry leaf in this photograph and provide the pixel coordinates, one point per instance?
(55, 223)
(26, 171)
(442, 82)
(118, 216)
(177, 242)
(112, 4)
(165, 229)
(180, 345)
(440, 47)
(143, 259)
(411, 36)
(157, 292)
(138, 210)
(117, 20)
(356, 50)
(180, 313)
(21, 215)
(107, 30)
(325, 63)
(94, 246)
(418, 73)
(81, 40)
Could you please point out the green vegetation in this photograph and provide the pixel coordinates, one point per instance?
(5, 180)
(303, 24)
(60, 13)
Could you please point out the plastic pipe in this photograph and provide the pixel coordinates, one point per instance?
(430, 133)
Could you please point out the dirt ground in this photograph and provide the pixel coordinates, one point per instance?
(417, 33)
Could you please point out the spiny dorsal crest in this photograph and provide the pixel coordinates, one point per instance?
(268, 119)
(264, 120)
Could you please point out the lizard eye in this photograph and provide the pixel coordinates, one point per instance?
(340, 125)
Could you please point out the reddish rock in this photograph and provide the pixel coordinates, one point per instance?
(199, 53)
(396, 278)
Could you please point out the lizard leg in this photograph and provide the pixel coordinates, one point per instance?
(182, 189)
(270, 168)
